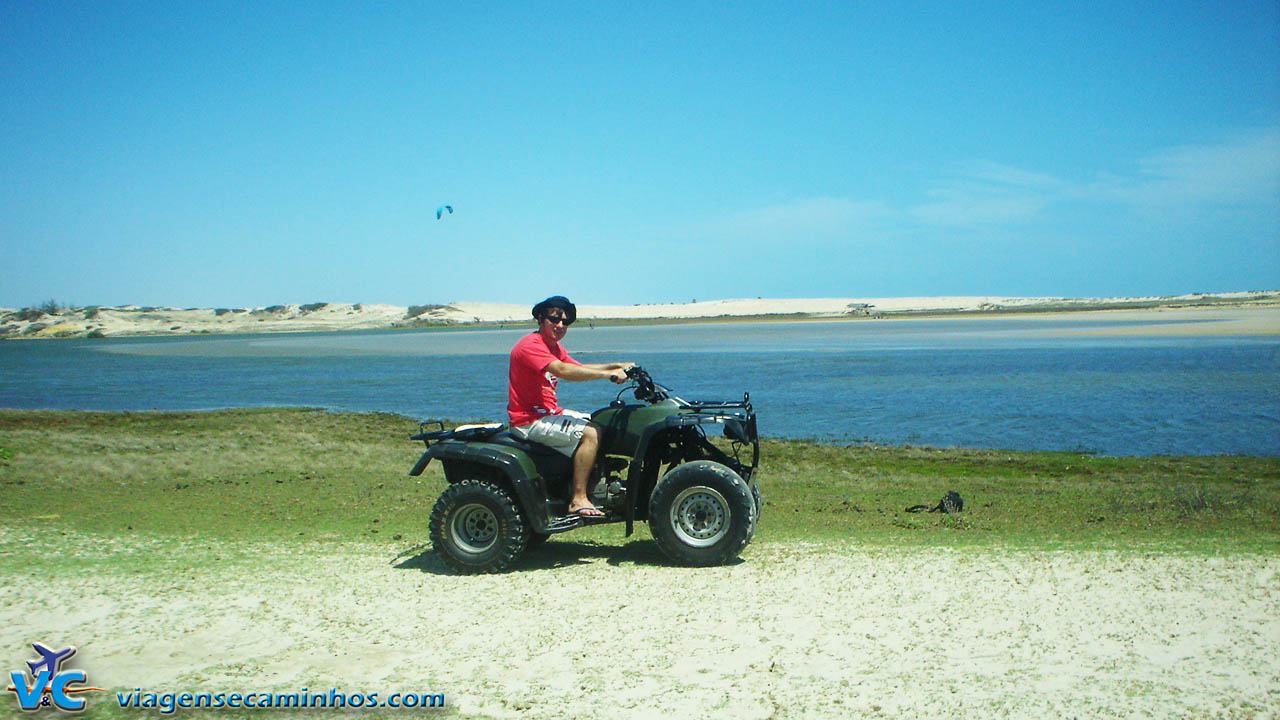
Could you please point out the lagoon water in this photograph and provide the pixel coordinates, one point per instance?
(1009, 381)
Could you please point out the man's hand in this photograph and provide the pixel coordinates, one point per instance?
(618, 376)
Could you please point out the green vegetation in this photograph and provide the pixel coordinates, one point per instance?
(308, 474)
(415, 310)
(27, 314)
(1022, 499)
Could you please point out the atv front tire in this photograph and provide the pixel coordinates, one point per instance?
(476, 527)
(702, 513)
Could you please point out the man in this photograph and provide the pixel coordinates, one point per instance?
(538, 362)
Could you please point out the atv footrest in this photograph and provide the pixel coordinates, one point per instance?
(564, 524)
(596, 519)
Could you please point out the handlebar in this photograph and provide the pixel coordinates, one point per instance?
(646, 389)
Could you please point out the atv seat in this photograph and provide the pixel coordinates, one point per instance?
(554, 467)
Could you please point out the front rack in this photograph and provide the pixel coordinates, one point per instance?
(744, 404)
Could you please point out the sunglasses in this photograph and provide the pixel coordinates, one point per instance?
(557, 319)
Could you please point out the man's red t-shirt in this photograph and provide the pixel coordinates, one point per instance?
(531, 390)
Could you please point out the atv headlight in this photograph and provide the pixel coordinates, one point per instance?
(734, 430)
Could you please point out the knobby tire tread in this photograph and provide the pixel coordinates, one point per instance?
(737, 494)
(513, 537)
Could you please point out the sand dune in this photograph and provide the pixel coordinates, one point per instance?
(134, 320)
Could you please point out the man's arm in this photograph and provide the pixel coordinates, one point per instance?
(609, 366)
(595, 371)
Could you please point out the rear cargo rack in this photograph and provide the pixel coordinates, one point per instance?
(462, 432)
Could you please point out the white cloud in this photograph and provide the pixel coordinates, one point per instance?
(1012, 177)
(963, 207)
(812, 217)
(988, 194)
(1242, 171)
(1184, 183)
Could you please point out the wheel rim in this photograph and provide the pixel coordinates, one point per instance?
(474, 528)
(700, 516)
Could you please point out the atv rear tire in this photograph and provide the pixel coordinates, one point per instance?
(702, 513)
(476, 527)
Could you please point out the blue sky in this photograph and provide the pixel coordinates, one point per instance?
(227, 154)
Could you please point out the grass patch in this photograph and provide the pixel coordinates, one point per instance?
(1022, 499)
(234, 474)
(286, 473)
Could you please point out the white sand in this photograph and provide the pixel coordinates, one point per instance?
(1260, 309)
(1178, 321)
(837, 307)
(583, 630)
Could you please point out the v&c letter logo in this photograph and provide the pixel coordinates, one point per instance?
(49, 682)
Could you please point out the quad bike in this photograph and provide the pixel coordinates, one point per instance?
(506, 494)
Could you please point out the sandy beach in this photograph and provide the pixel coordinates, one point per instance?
(1220, 313)
(791, 631)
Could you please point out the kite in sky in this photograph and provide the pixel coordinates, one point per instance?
(440, 210)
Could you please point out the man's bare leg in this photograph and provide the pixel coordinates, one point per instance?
(583, 458)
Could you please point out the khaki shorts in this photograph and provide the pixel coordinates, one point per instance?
(561, 432)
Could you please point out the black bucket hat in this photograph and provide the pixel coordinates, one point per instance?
(556, 301)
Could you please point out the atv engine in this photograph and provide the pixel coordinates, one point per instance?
(609, 492)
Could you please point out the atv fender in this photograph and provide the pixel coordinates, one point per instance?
(512, 468)
(643, 465)
(643, 472)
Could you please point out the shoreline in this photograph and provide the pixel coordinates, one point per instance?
(1246, 313)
